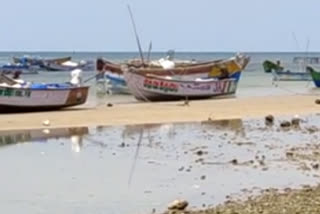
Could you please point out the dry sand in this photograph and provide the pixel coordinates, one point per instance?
(166, 112)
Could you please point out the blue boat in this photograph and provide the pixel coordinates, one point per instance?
(13, 68)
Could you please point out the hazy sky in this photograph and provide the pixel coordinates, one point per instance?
(183, 25)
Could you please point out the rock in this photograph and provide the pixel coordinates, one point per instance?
(296, 121)
(110, 105)
(181, 168)
(200, 153)
(46, 122)
(315, 166)
(285, 124)
(289, 154)
(317, 101)
(269, 119)
(178, 205)
(234, 161)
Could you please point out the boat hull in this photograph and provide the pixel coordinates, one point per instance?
(26, 99)
(155, 88)
(291, 76)
(315, 76)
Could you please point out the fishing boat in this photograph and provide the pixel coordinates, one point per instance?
(190, 70)
(19, 96)
(23, 69)
(67, 66)
(280, 74)
(29, 60)
(306, 60)
(315, 76)
(151, 87)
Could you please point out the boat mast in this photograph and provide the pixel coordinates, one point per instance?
(136, 34)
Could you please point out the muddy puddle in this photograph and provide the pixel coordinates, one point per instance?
(140, 169)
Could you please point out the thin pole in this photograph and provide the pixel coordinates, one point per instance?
(136, 34)
(149, 51)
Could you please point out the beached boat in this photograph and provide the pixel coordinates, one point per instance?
(150, 87)
(21, 97)
(212, 68)
(315, 76)
(280, 74)
(189, 70)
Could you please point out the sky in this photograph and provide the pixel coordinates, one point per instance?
(182, 25)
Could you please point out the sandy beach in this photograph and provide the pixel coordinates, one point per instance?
(146, 113)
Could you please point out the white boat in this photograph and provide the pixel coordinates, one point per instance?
(149, 87)
(21, 97)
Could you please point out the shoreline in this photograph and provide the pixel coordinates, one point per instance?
(164, 112)
(304, 200)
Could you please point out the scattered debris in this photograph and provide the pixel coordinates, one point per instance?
(312, 129)
(285, 124)
(315, 166)
(203, 177)
(178, 205)
(46, 123)
(46, 131)
(181, 168)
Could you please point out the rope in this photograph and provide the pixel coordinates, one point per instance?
(288, 90)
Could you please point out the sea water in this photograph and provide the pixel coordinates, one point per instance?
(254, 82)
(136, 169)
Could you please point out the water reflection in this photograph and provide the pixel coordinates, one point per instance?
(234, 125)
(20, 136)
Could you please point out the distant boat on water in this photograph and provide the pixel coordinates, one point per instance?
(280, 74)
(306, 60)
(29, 60)
(13, 68)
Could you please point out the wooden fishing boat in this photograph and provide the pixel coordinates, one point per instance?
(29, 60)
(215, 68)
(68, 66)
(280, 74)
(315, 76)
(150, 87)
(16, 97)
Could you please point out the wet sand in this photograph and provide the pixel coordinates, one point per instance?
(167, 112)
